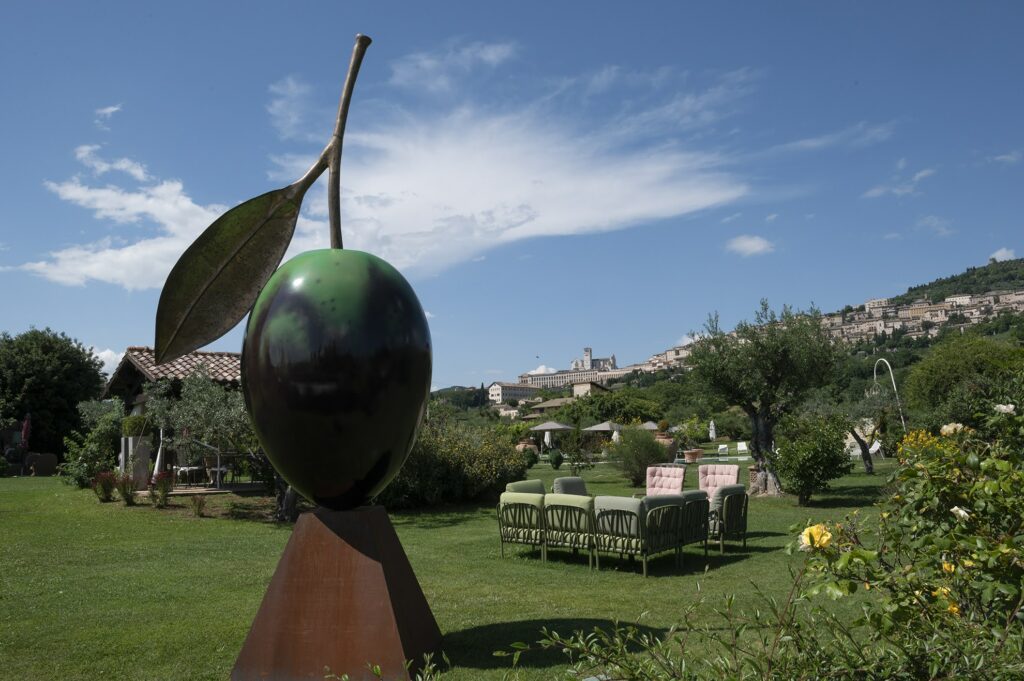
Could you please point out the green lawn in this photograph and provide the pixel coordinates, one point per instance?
(91, 590)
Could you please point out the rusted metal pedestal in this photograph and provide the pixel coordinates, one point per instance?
(343, 595)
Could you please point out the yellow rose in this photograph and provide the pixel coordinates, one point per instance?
(953, 609)
(948, 568)
(815, 537)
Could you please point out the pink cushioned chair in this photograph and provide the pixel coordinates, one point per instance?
(665, 480)
(714, 475)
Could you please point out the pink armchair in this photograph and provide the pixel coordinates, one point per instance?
(665, 479)
(712, 476)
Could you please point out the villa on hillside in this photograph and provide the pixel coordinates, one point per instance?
(138, 367)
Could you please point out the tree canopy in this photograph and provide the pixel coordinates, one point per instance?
(766, 367)
(47, 374)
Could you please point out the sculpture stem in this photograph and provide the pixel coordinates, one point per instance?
(334, 147)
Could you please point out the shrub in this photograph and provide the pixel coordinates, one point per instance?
(103, 485)
(453, 463)
(635, 452)
(135, 426)
(88, 454)
(555, 458)
(126, 488)
(812, 451)
(163, 483)
(691, 432)
(197, 502)
(531, 457)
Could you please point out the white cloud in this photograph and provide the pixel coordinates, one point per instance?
(938, 225)
(890, 236)
(110, 359)
(289, 103)
(747, 245)
(103, 115)
(1009, 158)
(730, 218)
(425, 191)
(437, 71)
(4, 247)
(687, 338)
(428, 314)
(542, 369)
(86, 155)
(861, 134)
(899, 185)
(1004, 254)
(771, 218)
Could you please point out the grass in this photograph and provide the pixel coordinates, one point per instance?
(90, 590)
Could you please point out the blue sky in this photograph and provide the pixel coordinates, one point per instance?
(547, 175)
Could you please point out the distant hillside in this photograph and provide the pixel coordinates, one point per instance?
(995, 276)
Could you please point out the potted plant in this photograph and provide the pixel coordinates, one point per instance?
(688, 435)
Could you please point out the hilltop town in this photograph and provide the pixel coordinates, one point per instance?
(878, 316)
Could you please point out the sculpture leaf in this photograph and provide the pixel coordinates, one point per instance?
(218, 277)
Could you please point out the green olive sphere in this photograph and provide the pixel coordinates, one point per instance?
(336, 373)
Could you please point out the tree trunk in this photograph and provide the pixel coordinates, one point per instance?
(763, 426)
(865, 452)
(287, 501)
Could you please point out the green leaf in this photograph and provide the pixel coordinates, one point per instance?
(217, 279)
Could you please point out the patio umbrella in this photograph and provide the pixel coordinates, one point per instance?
(549, 427)
(712, 434)
(650, 425)
(606, 427)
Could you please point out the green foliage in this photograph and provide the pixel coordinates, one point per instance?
(87, 455)
(197, 504)
(452, 463)
(691, 433)
(47, 374)
(955, 382)
(766, 367)
(531, 457)
(732, 423)
(555, 458)
(126, 488)
(811, 452)
(104, 484)
(136, 426)
(635, 452)
(623, 406)
(163, 483)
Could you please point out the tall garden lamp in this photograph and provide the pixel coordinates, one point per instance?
(895, 392)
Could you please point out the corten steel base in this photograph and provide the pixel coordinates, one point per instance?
(343, 595)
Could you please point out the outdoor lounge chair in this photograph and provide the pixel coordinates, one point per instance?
(714, 475)
(665, 479)
(741, 449)
(521, 520)
(569, 485)
(728, 517)
(628, 527)
(569, 523)
(529, 486)
(694, 529)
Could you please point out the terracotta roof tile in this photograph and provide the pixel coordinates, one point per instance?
(223, 367)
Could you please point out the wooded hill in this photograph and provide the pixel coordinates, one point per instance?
(995, 276)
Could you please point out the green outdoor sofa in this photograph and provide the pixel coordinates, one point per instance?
(633, 527)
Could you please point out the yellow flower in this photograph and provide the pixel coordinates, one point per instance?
(815, 537)
(941, 592)
(953, 609)
(969, 563)
(948, 568)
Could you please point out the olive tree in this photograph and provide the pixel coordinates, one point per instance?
(766, 368)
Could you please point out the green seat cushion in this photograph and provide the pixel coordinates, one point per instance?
(659, 500)
(522, 498)
(722, 492)
(586, 503)
(569, 485)
(694, 495)
(531, 486)
(614, 527)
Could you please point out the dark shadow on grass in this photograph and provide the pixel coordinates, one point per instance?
(444, 516)
(854, 496)
(475, 647)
